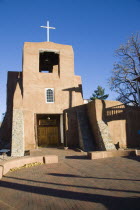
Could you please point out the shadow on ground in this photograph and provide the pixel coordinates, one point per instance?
(137, 158)
(77, 157)
(92, 177)
(111, 202)
(78, 186)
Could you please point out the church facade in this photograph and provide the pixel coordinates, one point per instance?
(45, 88)
(45, 107)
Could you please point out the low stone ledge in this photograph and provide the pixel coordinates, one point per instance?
(1, 171)
(5, 166)
(107, 154)
(15, 163)
(137, 152)
(50, 159)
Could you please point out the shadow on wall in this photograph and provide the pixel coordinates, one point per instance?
(70, 118)
(78, 131)
(77, 127)
(14, 78)
(71, 126)
(71, 90)
(131, 116)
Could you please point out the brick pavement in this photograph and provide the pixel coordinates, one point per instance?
(74, 183)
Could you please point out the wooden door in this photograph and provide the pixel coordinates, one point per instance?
(48, 132)
(47, 136)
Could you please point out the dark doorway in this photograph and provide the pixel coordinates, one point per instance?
(48, 130)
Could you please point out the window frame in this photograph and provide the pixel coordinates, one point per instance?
(48, 102)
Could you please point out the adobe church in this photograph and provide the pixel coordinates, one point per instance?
(43, 90)
(45, 107)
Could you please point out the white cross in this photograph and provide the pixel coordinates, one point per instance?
(48, 28)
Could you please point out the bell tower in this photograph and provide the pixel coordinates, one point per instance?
(49, 87)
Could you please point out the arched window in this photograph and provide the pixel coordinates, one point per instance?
(49, 95)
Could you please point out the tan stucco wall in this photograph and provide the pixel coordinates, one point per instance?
(34, 82)
(117, 128)
(29, 130)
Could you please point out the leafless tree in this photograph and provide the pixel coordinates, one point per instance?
(125, 70)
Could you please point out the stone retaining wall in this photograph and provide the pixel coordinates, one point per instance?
(17, 133)
(100, 128)
(104, 137)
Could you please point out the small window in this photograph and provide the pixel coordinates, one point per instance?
(49, 95)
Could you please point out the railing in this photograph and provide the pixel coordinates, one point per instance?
(118, 112)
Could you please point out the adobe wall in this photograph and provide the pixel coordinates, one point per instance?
(133, 127)
(71, 125)
(67, 86)
(29, 130)
(121, 122)
(113, 129)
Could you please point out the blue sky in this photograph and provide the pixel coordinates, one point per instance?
(95, 28)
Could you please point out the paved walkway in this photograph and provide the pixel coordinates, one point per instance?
(74, 183)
